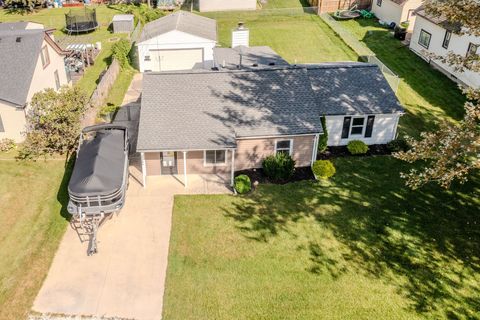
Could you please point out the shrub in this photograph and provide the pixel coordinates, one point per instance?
(279, 167)
(323, 139)
(120, 51)
(397, 145)
(357, 147)
(7, 144)
(323, 169)
(242, 184)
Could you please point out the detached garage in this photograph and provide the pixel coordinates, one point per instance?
(179, 41)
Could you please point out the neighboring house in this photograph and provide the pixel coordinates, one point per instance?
(226, 5)
(437, 36)
(179, 41)
(30, 61)
(397, 11)
(229, 120)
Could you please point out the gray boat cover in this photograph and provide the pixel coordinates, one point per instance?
(99, 168)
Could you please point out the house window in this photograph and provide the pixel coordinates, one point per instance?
(379, 3)
(57, 79)
(2, 128)
(215, 157)
(45, 57)
(357, 126)
(424, 39)
(283, 146)
(472, 49)
(147, 58)
(446, 39)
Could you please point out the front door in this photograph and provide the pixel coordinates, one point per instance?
(169, 162)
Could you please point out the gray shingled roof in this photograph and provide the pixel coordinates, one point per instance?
(252, 57)
(17, 63)
(208, 110)
(182, 21)
(352, 89)
(438, 20)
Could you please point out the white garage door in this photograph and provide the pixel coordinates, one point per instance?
(180, 59)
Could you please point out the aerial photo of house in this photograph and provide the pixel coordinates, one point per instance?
(214, 159)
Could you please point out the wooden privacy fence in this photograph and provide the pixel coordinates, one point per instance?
(101, 92)
(334, 5)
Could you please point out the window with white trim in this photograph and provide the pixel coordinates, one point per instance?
(45, 57)
(446, 39)
(283, 146)
(57, 79)
(424, 39)
(357, 126)
(472, 49)
(379, 3)
(215, 157)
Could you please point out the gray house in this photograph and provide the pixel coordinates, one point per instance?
(228, 120)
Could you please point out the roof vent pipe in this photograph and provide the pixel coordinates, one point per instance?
(240, 36)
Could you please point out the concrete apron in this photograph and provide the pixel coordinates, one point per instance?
(126, 279)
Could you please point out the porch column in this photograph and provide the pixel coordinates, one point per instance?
(232, 179)
(144, 170)
(185, 169)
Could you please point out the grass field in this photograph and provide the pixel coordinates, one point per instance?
(32, 197)
(362, 246)
(301, 38)
(428, 96)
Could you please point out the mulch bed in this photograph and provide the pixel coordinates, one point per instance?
(342, 151)
(300, 174)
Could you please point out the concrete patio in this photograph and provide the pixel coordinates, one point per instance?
(126, 278)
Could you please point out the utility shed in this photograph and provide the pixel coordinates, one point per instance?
(123, 23)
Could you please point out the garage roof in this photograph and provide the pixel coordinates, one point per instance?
(182, 21)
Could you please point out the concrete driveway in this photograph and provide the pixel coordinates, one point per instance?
(126, 278)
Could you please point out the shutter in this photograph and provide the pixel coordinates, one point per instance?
(346, 127)
(2, 129)
(369, 129)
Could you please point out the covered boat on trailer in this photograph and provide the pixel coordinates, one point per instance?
(99, 179)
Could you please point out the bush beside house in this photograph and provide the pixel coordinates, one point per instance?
(279, 167)
(323, 169)
(357, 147)
(242, 184)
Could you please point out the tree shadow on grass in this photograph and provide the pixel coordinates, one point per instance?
(62, 193)
(424, 242)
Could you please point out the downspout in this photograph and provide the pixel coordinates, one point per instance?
(232, 177)
(144, 170)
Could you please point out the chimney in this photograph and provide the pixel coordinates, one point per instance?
(240, 36)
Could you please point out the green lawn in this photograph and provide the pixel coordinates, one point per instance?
(280, 4)
(301, 38)
(427, 95)
(362, 246)
(33, 200)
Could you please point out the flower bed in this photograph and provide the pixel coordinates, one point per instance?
(257, 175)
(342, 151)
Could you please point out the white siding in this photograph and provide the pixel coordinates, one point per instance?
(226, 5)
(458, 44)
(174, 40)
(13, 119)
(392, 12)
(384, 130)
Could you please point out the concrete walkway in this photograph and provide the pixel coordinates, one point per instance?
(126, 279)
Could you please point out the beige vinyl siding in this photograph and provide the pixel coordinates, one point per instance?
(14, 121)
(251, 152)
(195, 163)
(152, 163)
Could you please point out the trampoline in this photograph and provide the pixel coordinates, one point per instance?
(78, 21)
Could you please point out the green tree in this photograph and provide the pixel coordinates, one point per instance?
(53, 122)
(23, 6)
(451, 153)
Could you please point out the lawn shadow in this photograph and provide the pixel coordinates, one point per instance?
(62, 193)
(424, 242)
